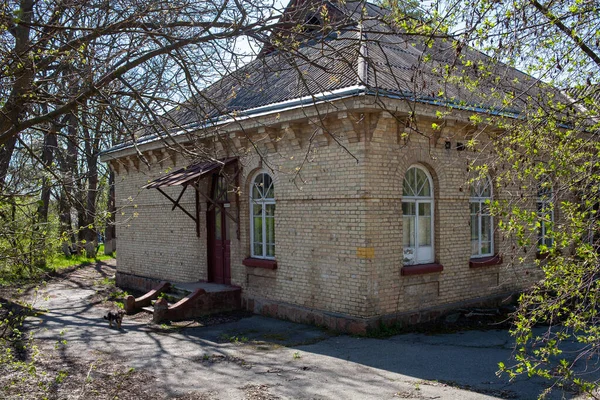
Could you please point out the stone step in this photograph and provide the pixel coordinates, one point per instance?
(149, 309)
(179, 291)
(171, 297)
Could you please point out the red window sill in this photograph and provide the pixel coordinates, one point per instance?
(260, 263)
(421, 269)
(485, 261)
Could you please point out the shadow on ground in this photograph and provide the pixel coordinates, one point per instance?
(286, 359)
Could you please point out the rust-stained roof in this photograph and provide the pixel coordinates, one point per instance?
(187, 174)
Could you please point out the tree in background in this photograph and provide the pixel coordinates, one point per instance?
(552, 149)
(78, 77)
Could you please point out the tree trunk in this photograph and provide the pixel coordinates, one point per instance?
(66, 224)
(71, 172)
(6, 152)
(90, 234)
(41, 228)
(16, 104)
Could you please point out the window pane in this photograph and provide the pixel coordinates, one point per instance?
(269, 189)
(256, 192)
(485, 209)
(487, 189)
(270, 229)
(258, 187)
(263, 216)
(221, 189)
(258, 230)
(408, 231)
(474, 227)
(486, 228)
(408, 208)
(258, 249)
(475, 247)
(270, 210)
(422, 184)
(474, 190)
(425, 209)
(424, 231)
(474, 208)
(545, 191)
(407, 188)
(408, 256)
(486, 248)
(416, 183)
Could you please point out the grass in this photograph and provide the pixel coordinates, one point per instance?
(236, 339)
(61, 261)
(16, 275)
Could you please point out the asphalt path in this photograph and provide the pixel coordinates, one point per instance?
(286, 360)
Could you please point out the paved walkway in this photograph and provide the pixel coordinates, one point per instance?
(289, 360)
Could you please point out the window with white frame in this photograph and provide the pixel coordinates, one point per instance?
(482, 231)
(262, 216)
(545, 213)
(417, 217)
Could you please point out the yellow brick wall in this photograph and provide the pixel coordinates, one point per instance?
(338, 219)
(154, 241)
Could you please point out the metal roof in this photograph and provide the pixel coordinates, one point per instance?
(377, 57)
(187, 174)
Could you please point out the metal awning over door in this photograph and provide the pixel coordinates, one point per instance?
(190, 176)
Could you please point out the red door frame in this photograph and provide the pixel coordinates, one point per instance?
(218, 246)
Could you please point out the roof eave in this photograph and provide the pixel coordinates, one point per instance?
(257, 112)
(314, 100)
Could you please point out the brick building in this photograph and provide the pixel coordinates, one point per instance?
(334, 193)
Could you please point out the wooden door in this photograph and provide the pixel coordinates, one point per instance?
(219, 261)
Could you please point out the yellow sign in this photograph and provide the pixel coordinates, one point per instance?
(365, 252)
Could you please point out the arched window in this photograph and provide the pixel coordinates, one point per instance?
(417, 217)
(545, 213)
(482, 231)
(262, 216)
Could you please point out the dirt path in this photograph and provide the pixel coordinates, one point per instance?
(248, 358)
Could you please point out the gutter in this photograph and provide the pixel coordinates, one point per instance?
(286, 105)
(339, 94)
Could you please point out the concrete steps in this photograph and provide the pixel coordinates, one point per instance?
(133, 304)
(174, 296)
(189, 300)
